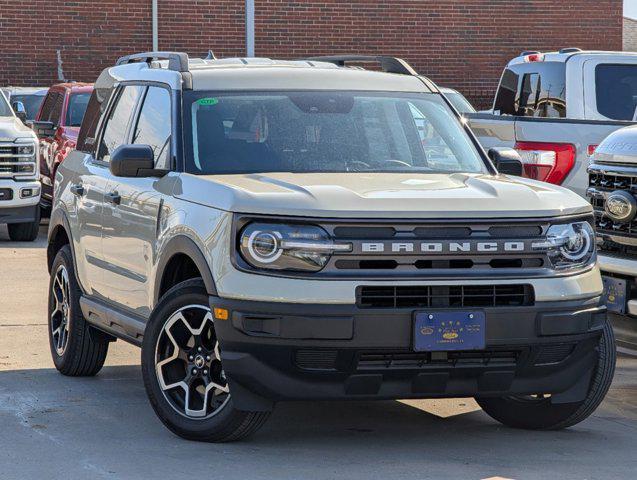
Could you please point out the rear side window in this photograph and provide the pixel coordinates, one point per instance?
(616, 90)
(86, 137)
(75, 111)
(114, 132)
(154, 125)
(536, 89)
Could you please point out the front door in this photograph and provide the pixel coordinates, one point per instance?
(131, 218)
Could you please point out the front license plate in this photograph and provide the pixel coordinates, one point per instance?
(614, 296)
(449, 330)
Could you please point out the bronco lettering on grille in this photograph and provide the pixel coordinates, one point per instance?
(442, 247)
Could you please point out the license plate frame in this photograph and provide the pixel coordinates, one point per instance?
(615, 294)
(449, 330)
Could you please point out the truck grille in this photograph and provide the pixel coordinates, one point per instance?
(13, 163)
(605, 179)
(452, 296)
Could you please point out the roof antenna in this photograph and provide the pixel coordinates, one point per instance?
(210, 56)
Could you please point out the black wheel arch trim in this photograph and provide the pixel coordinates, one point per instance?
(185, 246)
(59, 220)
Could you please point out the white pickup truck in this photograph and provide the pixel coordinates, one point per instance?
(19, 184)
(555, 108)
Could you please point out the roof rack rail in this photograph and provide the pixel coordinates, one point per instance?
(388, 64)
(570, 50)
(529, 52)
(177, 61)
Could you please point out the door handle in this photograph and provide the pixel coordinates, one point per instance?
(77, 190)
(113, 198)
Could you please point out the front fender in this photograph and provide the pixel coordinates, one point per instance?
(182, 244)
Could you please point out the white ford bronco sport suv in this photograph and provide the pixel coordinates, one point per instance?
(19, 173)
(271, 230)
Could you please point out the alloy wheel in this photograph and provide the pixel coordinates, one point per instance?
(188, 364)
(60, 316)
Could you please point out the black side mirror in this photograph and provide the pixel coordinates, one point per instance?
(507, 160)
(134, 161)
(20, 111)
(43, 129)
(22, 116)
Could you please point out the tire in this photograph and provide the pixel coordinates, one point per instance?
(25, 232)
(78, 350)
(541, 414)
(180, 354)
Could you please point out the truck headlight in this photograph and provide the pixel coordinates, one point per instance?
(569, 245)
(26, 150)
(273, 246)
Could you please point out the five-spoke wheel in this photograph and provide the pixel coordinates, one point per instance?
(183, 373)
(77, 348)
(59, 319)
(188, 364)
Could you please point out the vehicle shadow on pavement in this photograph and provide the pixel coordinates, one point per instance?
(109, 424)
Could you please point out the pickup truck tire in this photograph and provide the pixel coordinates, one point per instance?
(25, 232)
(77, 350)
(182, 371)
(538, 413)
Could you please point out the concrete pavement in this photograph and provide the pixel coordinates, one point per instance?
(57, 427)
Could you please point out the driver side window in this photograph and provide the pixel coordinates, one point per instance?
(116, 128)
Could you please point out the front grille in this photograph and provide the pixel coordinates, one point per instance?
(435, 248)
(602, 181)
(452, 296)
(12, 163)
(415, 360)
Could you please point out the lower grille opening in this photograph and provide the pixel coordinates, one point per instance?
(316, 359)
(456, 296)
(551, 354)
(408, 360)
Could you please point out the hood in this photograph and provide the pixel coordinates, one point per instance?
(619, 147)
(386, 195)
(12, 128)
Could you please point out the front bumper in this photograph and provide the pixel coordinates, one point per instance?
(282, 351)
(11, 198)
(624, 325)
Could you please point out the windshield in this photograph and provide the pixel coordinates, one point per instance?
(5, 109)
(31, 103)
(75, 111)
(324, 131)
(460, 102)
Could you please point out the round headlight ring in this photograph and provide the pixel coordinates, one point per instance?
(264, 247)
(578, 245)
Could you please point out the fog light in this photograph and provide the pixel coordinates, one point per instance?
(29, 192)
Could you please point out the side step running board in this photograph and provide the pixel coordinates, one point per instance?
(129, 329)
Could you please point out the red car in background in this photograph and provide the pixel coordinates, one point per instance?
(57, 126)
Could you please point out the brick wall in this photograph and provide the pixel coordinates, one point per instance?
(630, 34)
(458, 43)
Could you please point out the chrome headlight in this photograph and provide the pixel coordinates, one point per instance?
(569, 245)
(273, 246)
(26, 150)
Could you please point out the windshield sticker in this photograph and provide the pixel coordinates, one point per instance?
(208, 101)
